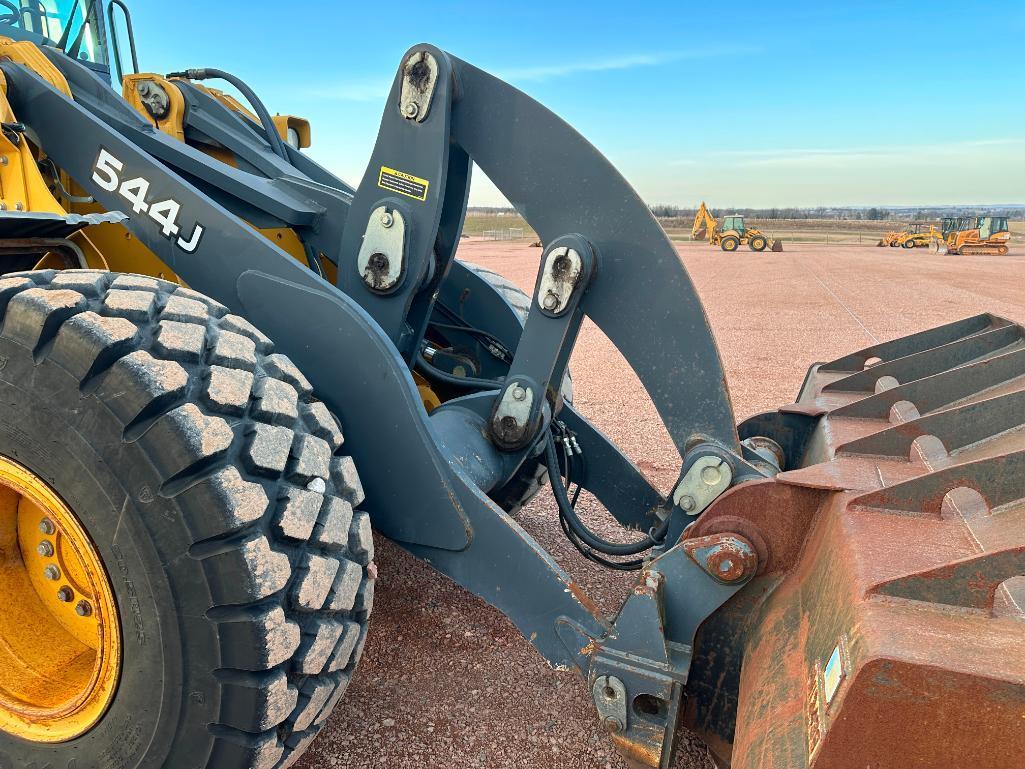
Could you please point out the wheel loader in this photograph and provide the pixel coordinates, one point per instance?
(221, 367)
(975, 235)
(731, 234)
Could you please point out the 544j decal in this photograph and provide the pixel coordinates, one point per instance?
(106, 173)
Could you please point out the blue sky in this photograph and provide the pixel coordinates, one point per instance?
(739, 104)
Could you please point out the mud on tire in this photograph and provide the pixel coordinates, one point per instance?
(216, 489)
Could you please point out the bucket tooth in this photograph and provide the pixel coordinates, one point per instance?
(908, 345)
(898, 598)
(972, 424)
(933, 360)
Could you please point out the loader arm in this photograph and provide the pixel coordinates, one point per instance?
(761, 592)
(628, 280)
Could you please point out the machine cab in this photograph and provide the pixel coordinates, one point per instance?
(86, 30)
(733, 223)
(992, 225)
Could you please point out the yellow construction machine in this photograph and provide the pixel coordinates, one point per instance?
(890, 239)
(918, 235)
(976, 235)
(224, 371)
(731, 234)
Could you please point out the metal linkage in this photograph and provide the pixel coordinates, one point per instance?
(567, 268)
(422, 180)
(377, 316)
(638, 670)
(382, 256)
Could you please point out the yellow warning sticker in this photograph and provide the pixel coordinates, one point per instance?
(402, 183)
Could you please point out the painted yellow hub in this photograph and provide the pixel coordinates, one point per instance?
(60, 641)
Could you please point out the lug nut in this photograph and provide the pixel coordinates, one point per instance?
(52, 573)
(65, 594)
(519, 393)
(45, 549)
(46, 526)
(83, 609)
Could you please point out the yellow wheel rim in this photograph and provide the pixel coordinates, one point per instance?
(60, 639)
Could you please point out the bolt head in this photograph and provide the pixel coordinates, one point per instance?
(551, 301)
(52, 573)
(725, 566)
(412, 109)
(83, 609)
(711, 475)
(688, 503)
(614, 725)
(45, 549)
(387, 220)
(65, 594)
(46, 527)
(518, 393)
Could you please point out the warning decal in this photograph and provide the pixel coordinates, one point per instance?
(404, 184)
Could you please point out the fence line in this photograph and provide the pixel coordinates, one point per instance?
(507, 233)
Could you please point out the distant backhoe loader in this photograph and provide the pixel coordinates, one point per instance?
(213, 351)
(919, 235)
(976, 235)
(891, 239)
(731, 234)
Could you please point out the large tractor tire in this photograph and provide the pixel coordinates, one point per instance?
(185, 582)
(758, 243)
(729, 243)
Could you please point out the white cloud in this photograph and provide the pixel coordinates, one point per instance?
(376, 89)
(847, 156)
(610, 63)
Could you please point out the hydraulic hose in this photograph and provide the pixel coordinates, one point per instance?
(579, 528)
(458, 381)
(207, 73)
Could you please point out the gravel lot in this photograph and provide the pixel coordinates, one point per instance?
(446, 680)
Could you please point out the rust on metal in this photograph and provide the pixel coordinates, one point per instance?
(583, 598)
(728, 557)
(638, 753)
(884, 628)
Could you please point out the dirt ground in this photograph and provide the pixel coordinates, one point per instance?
(446, 681)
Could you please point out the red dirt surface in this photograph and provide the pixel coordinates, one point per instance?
(447, 681)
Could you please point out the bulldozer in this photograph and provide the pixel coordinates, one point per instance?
(975, 235)
(224, 372)
(731, 234)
